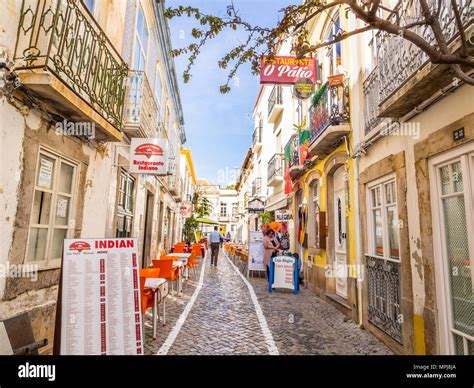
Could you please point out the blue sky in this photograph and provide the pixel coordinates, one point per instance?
(219, 126)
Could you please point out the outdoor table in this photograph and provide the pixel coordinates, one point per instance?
(159, 286)
(184, 257)
(180, 265)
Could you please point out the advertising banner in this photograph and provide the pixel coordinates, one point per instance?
(287, 70)
(100, 299)
(256, 262)
(149, 156)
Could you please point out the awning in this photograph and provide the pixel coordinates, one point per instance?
(207, 221)
(280, 202)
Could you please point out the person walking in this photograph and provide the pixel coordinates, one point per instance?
(270, 246)
(215, 239)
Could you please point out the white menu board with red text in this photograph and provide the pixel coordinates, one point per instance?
(101, 298)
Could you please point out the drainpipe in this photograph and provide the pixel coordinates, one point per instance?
(358, 237)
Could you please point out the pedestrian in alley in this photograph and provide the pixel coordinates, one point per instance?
(215, 239)
(270, 246)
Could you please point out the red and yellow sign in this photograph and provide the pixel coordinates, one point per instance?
(287, 69)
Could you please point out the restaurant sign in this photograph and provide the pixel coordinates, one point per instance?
(304, 88)
(186, 208)
(149, 156)
(287, 70)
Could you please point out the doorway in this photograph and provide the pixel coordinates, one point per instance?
(340, 234)
(452, 190)
(147, 229)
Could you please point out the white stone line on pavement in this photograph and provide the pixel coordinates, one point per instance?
(267, 334)
(184, 315)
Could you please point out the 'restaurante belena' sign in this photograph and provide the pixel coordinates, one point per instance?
(149, 156)
(287, 70)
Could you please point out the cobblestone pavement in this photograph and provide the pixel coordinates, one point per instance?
(223, 320)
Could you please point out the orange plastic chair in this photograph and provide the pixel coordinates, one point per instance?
(179, 249)
(146, 296)
(165, 264)
(192, 263)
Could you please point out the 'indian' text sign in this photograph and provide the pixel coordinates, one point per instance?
(149, 156)
(286, 70)
(101, 309)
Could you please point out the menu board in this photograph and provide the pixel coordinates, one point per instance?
(283, 273)
(256, 252)
(101, 298)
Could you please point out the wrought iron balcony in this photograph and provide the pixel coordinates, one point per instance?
(257, 139)
(63, 56)
(141, 111)
(383, 295)
(275, 170)
(275, 103)
(292, 156)
(329, 118)
(404, 77)
(372, 100)
(256, 187)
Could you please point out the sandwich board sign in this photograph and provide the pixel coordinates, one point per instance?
(100, 298)
(256, 252)
(283, 273)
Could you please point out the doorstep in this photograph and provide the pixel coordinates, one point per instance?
(339, 300)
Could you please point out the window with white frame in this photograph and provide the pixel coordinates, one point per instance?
(141, 42)
(334, 51)
(383, 230)
(223, 209)
(125, 205)
(53, 204)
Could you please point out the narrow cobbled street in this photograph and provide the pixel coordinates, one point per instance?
(217, 316)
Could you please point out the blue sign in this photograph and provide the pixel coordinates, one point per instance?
(283, 273)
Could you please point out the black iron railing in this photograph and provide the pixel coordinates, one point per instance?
(275, 169)
(397, 58)
(257, 136)
(383, 295)
(62, 36)
(332, 108)
(292, 148)
(275, 98)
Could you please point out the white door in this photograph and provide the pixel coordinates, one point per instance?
(452, 183)
(340, 233)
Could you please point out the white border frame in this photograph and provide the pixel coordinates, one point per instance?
(49, 263)
(445, 332)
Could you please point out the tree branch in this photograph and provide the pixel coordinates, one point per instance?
(462, 33)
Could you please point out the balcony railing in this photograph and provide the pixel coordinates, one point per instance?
(275, 169)
(398, 60)
(256, 186)
(372, 100)
(141, 108)
(275, 98)
(332, 108)
(257, 136)
(62, 37)
(292, 151)
(383, 295)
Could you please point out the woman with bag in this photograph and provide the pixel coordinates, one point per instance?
(270, 246)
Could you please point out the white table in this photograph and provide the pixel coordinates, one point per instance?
(181, 265)
(159, 286)
(182, 257)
